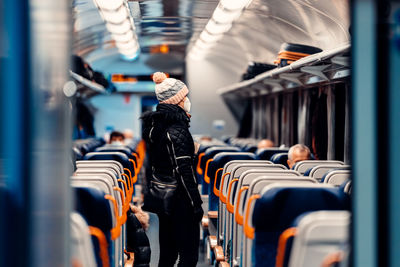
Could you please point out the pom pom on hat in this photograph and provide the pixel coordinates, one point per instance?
(169, 90)
(159, 77)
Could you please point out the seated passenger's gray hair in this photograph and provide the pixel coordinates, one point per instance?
(300, 148)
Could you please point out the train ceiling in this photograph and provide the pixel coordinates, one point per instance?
(258, 32)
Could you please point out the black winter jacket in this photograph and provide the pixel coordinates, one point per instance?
(171, 151)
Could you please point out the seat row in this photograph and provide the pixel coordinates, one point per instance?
(253, 204)
(104, 186)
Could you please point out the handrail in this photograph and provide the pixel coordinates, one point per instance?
(115, 231)
(130, 175)
(221, 193)
(136, 173)
(130, 185)
(198, 168)
(229, 205)
(216, 190)
(103, 251)
(249, 230)
(238, 217)
(283, 239)
(124, 209)
(206, 177)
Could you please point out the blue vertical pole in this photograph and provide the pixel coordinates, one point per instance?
(394, 137)
(14, 104)
(364, 134)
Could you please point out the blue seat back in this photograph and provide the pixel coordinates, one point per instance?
(267, 153)
(249, 148)
(280, 158)
(209, 154)
(96, 210)
(278, 207)
(112, 148)
(219, 161)
(117, 156)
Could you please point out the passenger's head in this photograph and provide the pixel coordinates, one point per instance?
(206, 138)
(128, 134)
(116, 138)
(298, 153)
(171, 91)
(265, 143)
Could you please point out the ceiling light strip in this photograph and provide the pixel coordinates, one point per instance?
(119, 23)
(226, 12)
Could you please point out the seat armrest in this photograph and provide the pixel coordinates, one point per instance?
(212, 240)
(213, 214)
(219, 253)
(204, 222)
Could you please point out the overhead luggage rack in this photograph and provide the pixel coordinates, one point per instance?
(322, 68)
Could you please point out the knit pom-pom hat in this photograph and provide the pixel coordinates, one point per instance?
(169, 90)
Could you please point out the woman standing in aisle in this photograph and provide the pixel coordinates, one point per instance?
(172, 190)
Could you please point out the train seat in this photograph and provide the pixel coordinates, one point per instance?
(228, 168)
(88, 145)
(92, 205)
(250, 148)
(228, 188)
(215, 172)
(303, 166)
(105, 186)
(314, 236)
(280, 158)
(317, 172)
(117, 166)
(129, 167)
(77, 154)
(107, 176)
(276, 208)
(124, 149)
(82, 251)
(114, 148)
(336, 177)
(215, 169)
(267, 153)
(205, 160)
(208, 158)
(241, 196)
(347, 187)
(105, 172)
(253, 185)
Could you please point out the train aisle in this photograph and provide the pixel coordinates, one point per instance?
(152, 234)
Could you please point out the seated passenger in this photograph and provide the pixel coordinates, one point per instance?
(205, 138)
(265, 143)
(116, 138)
(128, 136)
(298, 153)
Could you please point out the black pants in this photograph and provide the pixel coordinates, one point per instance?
(179, 234)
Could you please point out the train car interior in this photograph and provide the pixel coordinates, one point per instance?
(286, 154)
